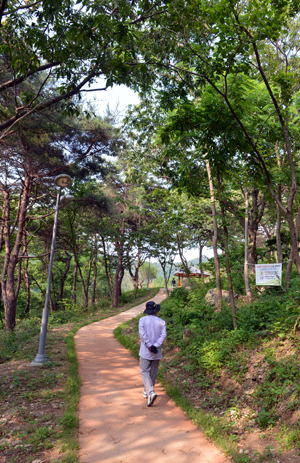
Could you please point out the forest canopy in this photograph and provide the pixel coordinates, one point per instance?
(210, 157)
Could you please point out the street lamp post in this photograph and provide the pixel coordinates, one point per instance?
(61, 181)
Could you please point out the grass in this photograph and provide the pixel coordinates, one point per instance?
(17, 344)
(69, 420)
(233, 383)
(212, 426)
(51, 394)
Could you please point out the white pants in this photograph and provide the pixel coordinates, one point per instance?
(148, 369)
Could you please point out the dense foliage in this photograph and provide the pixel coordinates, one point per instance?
(210, 157)
(244, 379)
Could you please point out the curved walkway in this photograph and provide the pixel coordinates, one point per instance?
(116, 426)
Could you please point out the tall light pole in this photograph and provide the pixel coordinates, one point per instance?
(62, 181)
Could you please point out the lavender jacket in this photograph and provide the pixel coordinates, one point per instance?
(152, 331)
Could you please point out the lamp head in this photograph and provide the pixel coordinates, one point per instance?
(63, 181)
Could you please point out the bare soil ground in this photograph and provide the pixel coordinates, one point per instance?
(32, 403)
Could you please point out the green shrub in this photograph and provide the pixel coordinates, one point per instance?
(12, 342)
(213, 339)
(213, 354)
(69, 421)
(266, 418)
(280, 382)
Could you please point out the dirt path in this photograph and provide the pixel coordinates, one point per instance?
(116, 426)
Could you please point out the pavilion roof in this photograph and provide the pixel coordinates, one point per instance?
(194, 271)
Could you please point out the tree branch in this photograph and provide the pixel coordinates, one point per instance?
(19, 80)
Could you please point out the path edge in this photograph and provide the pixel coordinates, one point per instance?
(198, 417)
(70, 419)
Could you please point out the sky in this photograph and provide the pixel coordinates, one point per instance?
(191, 254)
(118, 95)
(122, 96)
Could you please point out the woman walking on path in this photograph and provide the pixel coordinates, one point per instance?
(152, 330)
(113, 424)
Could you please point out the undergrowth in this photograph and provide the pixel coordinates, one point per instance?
(69, 420)
(259, 362)
(15, 344)
(38, 405)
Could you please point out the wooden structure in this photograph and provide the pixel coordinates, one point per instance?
(194, 273)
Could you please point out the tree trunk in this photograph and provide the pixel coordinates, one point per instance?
(215, 237)
(1, 302)
(95, 270)
(136, 287)
(246, 274)
(291, 259)
(78, 269)
(200, 257)
(278, 230)
(118, 281)
(106, 266)
(12, 252)
(1, 236)
(27, 286)
(135, 280)
(288, 270)
(181, 255)
(227, 262)
(134, 273)
(163, 266)
(38, 285)
(63, 279)
(138, 265)
(279, 212)
(19, 278)
(26, 275)
(119, 245)
(121, 276)
(74, 283)
(54, 303)
(256, 214)
(7, 292)
(170, 271)
(252, 230)
(119, 270)
(294, 240)
(85, 289)
(118, 274)
(88, 279)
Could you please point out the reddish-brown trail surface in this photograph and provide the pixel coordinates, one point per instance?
(116, 426)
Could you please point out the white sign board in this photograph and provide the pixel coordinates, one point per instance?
(268, 274)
